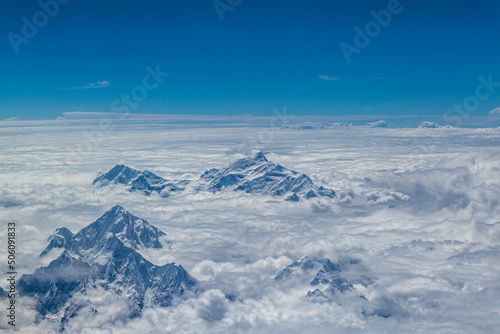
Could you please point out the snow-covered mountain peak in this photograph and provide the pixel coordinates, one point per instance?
(328, 277)
(253, 175)
(62, 238)
(133, 231)
(104, 254)
(260, 157)
(257, 175)
(144, 181)
(117, 174)
(248, 163)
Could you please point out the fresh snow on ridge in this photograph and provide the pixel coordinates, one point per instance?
(105, 254)
(257, 175)
(331, 281)
(146, 181)
(253, 175)
(133, 231)
(62, 238)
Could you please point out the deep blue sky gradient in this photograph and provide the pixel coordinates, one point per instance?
(265, 54)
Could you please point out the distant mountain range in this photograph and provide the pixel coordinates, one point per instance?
(253, 175)
(135, 180)
(329, 279)
(104, 254)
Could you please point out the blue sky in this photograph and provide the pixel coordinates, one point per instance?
(263, 55)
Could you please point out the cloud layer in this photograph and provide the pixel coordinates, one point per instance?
(418, 207)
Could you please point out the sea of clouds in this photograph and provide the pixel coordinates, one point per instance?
(418, 207)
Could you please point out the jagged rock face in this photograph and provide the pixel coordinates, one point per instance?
(131, 230)
(317, 296)
(293, 198)
(322, 191)
(168, 280)
(135, 180)
(304, 265)
(105, 254)
(329, 275)
(258, 175)
(253, 175)
(61, 239)
(53, 285)
(329, 278)
(3, 294)
(127, 272)
(118, 174)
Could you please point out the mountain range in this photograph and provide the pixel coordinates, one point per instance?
(143, 181)
(328, 279)
(105, 255)
(253, 175)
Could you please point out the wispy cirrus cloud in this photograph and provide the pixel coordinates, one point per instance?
(328, 77)
(97, 84)
(334, 78)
